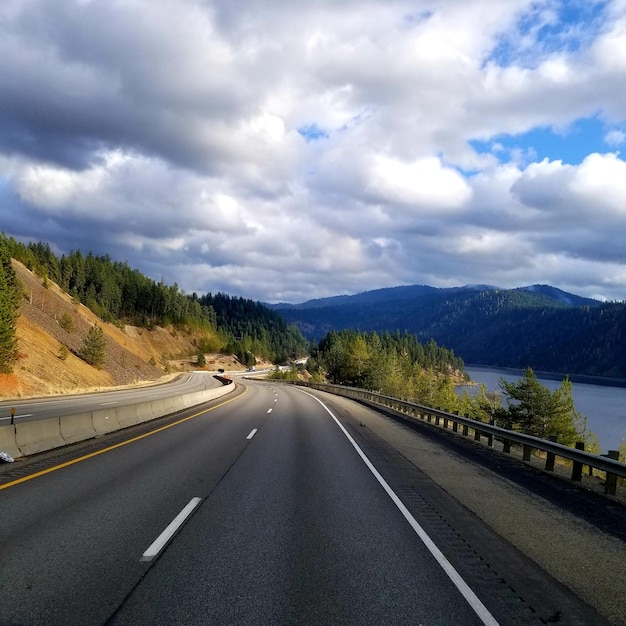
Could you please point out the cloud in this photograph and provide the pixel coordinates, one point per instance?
(594, 189)
(285, 153)
(615, 137)
(422, 186)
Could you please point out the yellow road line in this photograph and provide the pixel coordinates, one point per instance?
(117, 445)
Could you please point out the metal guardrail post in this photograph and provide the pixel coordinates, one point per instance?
(577, 467)
(527, 452)
(506, 446)
(610, 486)
(550, 456)
(466, 427)
(477, 434)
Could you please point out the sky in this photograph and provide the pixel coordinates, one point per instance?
(284, 151)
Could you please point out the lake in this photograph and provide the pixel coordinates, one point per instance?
(604, 406)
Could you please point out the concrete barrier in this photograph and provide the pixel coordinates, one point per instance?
(37, 436)
(145, 412)
(76, 427)
(127, 415)
(105, 421)
(7, 441)
(157, 407)
(173, 405)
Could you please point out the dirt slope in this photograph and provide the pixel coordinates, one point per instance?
(134, 355)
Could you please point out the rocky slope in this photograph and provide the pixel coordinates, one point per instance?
(133, 355)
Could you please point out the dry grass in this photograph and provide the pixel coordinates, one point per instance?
(134, 355)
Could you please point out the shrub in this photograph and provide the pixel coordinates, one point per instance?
(94, 347)
(66, 322)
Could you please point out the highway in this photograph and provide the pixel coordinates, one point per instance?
(272, 506)
(57, 406)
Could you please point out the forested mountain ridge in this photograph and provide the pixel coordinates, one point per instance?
(537, 326)
(58, 291)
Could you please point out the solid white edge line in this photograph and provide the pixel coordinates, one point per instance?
(472, 599)
(252, 433)
(159, 543)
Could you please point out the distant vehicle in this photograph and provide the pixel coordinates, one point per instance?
(251, 369)
(220, 370)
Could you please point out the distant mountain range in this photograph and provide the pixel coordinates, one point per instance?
(537, 326)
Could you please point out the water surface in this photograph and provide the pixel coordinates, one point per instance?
(604, 406)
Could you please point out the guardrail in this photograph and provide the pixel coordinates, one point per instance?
(610, 464)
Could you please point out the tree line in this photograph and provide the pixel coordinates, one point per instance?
(398, 365)
(392, 364)
(10, 291)
(117, 293)
(112, 290)
(255, 330)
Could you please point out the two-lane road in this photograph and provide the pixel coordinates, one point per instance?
(278, 519)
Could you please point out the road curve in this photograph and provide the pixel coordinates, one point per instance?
(281, 520)
(58, 406)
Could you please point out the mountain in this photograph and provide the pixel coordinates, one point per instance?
(559, 295)
(535, 326)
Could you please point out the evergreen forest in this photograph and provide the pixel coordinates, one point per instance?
(398, 365)
(539, 327)
(118, 294)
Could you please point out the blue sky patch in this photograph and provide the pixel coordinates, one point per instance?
(580, 139)
(312, 132)
(569, 27)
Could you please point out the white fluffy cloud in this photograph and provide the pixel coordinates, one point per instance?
(286, 152)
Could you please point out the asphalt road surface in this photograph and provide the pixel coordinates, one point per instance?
(262, 508)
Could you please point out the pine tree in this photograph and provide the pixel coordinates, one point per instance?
(533, 409)
(9, 309)
(94, 347)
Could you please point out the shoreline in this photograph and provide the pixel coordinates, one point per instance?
(585, 379)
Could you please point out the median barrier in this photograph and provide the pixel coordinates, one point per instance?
(158, 408)
(173, 405)
(38, 435)
(105, 421)
(193, 399)
(76, 427)
(211, 394)
(7, 441)
(128, 416)
(144, 412)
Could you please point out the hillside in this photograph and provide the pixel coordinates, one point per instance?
(537, 326)
(134, 355)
